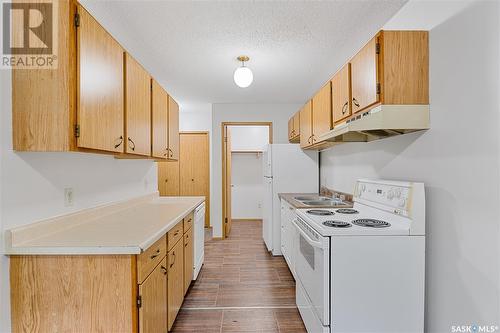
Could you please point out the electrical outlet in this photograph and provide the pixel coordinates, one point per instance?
(68, 197)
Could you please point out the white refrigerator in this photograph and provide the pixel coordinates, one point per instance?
(287, 169)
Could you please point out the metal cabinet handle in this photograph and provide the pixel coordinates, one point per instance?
(355, 102)
(164, 270)
(131, 144)
(344, 107)
(309, 139)
(156, 254)
(119, 143)
(173, 255)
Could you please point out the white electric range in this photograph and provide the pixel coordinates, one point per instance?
(363, 269)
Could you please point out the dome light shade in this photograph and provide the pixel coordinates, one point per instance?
(243, 76)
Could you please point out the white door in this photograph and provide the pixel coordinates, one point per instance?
(267, 213)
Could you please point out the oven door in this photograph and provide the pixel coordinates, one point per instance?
(312, 268)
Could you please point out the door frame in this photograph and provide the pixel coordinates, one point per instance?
(224, 126)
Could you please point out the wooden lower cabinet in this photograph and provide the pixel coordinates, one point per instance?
(175, 287)
(153, 301)
(103, 293)
(71, 293)
(188, 259)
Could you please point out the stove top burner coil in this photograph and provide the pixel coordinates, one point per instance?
(337, 224)
(347, 211)
(371, 223)
(320, 212)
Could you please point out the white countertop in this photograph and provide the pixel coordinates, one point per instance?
(127, 227)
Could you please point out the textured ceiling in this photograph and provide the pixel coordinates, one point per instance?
(190, 47)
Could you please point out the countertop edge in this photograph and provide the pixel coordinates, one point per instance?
(10, 250)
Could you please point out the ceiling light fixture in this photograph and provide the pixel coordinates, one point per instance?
(243, 76)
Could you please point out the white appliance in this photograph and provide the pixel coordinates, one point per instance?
(363, 269)
(287, 169)
(199, 239)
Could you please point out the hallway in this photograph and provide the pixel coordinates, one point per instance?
(241, 288)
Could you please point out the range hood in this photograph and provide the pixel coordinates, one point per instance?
(380, 122)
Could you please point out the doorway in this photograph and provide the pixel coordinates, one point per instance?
(242, 147)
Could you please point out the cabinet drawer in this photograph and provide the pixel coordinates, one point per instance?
(148, 260)
(188, 222)
(175, 234)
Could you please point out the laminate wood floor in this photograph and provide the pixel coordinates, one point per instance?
(241, 288)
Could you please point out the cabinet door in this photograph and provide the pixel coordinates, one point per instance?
(296, 123)
(188, 259)
(153, 292)
(290, 128)
(168, 178)
(175, 281)
(194, 165)
(159, 115)
(321, 112)
(173, 129)
(306, 125)
(364, 77)
(341, 94)
(100, 87)
(137, 108)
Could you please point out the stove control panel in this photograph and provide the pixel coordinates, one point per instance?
(391, 196)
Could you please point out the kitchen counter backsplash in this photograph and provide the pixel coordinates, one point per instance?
(335, 194)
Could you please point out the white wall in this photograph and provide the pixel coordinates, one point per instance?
(32, 184)
(247, 186)
(278, 114)
(249, 138)
(458, 160)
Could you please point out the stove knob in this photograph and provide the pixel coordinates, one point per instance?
(398, 193)
(402, 202)
(390, 194)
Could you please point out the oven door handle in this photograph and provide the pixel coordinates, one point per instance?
(306, 236)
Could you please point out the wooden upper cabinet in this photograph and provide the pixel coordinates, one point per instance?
(306, 125)
(175, 286)
(159, 121)
(294, 128)
(137, 108)
(321, 112)
(101, 87)
(296, 124)
(173, 129)
(43, 100)
(290, 128)
(364, 76)
(341, 94)
(153, 293)
(404, 67)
